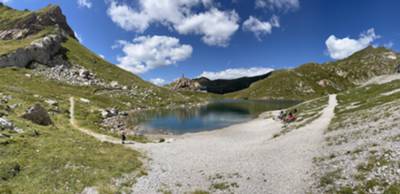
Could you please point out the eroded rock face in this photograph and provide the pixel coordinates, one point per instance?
(35, 22)
(37, 114)
(186, 84)
(42, 51)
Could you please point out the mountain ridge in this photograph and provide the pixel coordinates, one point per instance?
(313, 80)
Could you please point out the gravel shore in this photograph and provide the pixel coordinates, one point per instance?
(243, 158)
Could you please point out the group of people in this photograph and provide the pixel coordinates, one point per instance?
(288, 117)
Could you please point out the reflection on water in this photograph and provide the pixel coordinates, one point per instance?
(214, 115)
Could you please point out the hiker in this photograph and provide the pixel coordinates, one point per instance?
(290, 118)
(281, 115)
(123, 136)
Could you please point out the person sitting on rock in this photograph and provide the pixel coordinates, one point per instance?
(290, 118)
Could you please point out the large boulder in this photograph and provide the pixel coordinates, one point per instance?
(37, 114)
(41, 51)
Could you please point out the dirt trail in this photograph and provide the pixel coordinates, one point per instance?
(100, 137)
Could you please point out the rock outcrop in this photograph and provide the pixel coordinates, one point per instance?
(186, 84)
(42, 51)
(37, 114)
(35, 22)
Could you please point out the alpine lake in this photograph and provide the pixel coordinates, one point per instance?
(211, 116)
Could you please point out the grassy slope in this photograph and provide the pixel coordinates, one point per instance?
(60, 159)
(302, 82)
(364, 132)
(48, 155)
(8, 17)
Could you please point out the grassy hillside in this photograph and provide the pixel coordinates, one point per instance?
(58, 158)
(361, 144)
(314, 80)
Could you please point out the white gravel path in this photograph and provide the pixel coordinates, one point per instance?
(243, 154)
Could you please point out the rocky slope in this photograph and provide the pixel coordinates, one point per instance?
(219, 86)
(314, 80)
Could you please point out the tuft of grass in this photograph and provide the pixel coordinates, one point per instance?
(220, 186)
(200, 192)
(329, 178)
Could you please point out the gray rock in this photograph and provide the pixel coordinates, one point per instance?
(114, 84)
(41, 51)
(84, 100)
(107, 113)
(52, 102)
(5, 124)
(90, 190)
(37, 114)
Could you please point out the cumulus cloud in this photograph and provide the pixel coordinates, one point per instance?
(148, 52)
(284, 5)
(340, 48)
(85, 3)
(234, 73)
(158, 81)
(260, 28)
(215, 26)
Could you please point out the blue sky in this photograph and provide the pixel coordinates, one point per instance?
(228, 38)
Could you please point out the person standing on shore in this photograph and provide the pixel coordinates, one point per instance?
(123, 136)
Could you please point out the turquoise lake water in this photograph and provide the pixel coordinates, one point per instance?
(214, 115)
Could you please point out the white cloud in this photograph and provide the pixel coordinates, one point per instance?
(79, 37)
(146, 53)
(236, 73)
(85, 3)
(102, 56)
(158, 81)
(260, 28)
(284, 5)
(215, 26)
(340, 48)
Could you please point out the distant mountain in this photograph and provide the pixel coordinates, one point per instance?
(314, 80)
(223, 86)
(219, 86)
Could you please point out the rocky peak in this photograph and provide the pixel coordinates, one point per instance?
(50, 16)
(186, 84)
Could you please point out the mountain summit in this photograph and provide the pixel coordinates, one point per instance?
(20, 24)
